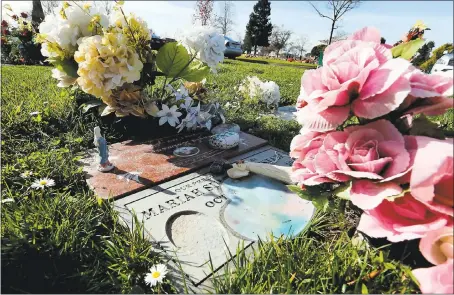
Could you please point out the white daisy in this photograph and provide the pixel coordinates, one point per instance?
(169, 115)
(34, 113)
(9, 200)
(156, 274)
(26, 174)
(42, 183)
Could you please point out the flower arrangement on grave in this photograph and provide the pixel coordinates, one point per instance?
(254, 90)
(366, 139)
(112, 60)
(17, 39)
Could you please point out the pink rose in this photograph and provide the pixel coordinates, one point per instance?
(371, 156)
(358, 76)
(428, 94)
(432, 179)
(437, 279)
(403, 219)
(437, 246)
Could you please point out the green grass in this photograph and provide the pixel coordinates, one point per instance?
(272, 61)
(232, 73)
(64, 240)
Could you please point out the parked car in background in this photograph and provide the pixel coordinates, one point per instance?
(444, 65)
(232, 48)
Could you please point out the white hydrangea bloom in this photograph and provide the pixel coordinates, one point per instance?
(66, 31)
(270, 93)
(208, 44)
(251, 87)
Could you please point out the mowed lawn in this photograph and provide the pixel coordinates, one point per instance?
(64, 240)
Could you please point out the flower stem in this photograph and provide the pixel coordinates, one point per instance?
(130, 30)
(184, 68)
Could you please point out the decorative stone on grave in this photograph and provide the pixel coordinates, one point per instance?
(139, 165)
(287, 113)
(201, 216)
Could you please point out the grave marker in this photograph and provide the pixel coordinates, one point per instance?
(192, 218)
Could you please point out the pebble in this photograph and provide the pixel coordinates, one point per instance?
(226, 127)
(224, 141)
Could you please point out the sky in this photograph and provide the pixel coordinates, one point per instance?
(392, 18)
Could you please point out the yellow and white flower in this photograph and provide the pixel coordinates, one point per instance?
(156, 274)
(64, 79)
(105, 63)
(42, 183)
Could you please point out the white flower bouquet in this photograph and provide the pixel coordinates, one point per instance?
(112, 59)
(253, 88)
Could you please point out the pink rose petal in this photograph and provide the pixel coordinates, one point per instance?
(383, 103)
(367, 195)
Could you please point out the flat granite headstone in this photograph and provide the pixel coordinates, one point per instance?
(139, 165)
(200, 215)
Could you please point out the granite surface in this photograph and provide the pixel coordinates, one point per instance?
(142, 164)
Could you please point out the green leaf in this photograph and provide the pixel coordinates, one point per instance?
(424, 127)
(294, 188)
(195, 72)
(90, 104)
(343, 192)
(172, 58)
(321, 202)
(69, 66)
(364, 289)
(407, 50)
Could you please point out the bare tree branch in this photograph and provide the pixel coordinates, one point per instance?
(203, 12)
(280, 38)
(339, 9)
(224, 21)
(319, 13)
(49, 7)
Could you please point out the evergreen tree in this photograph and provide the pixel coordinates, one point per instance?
(318, 49)
(247, 44)
(423, 54)
(259, 27)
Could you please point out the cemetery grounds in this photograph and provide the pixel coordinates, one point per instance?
(64, 239)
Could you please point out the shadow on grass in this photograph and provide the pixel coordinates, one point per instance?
(277, 64)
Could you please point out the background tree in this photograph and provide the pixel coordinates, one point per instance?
(49, 6)
(423, 53)
(436, 54)
(203, 12)
(279, 38)
(300, 45)
(259, 27)
(247, 43)
(340, 35)
(337, 11)
(316, 50)
(224, 21)
(37, 13)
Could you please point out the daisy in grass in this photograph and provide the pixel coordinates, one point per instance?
(26, 174)
(156, 274)
(42, 183)
(9, 200)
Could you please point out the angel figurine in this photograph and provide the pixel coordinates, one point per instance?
(101, 143)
